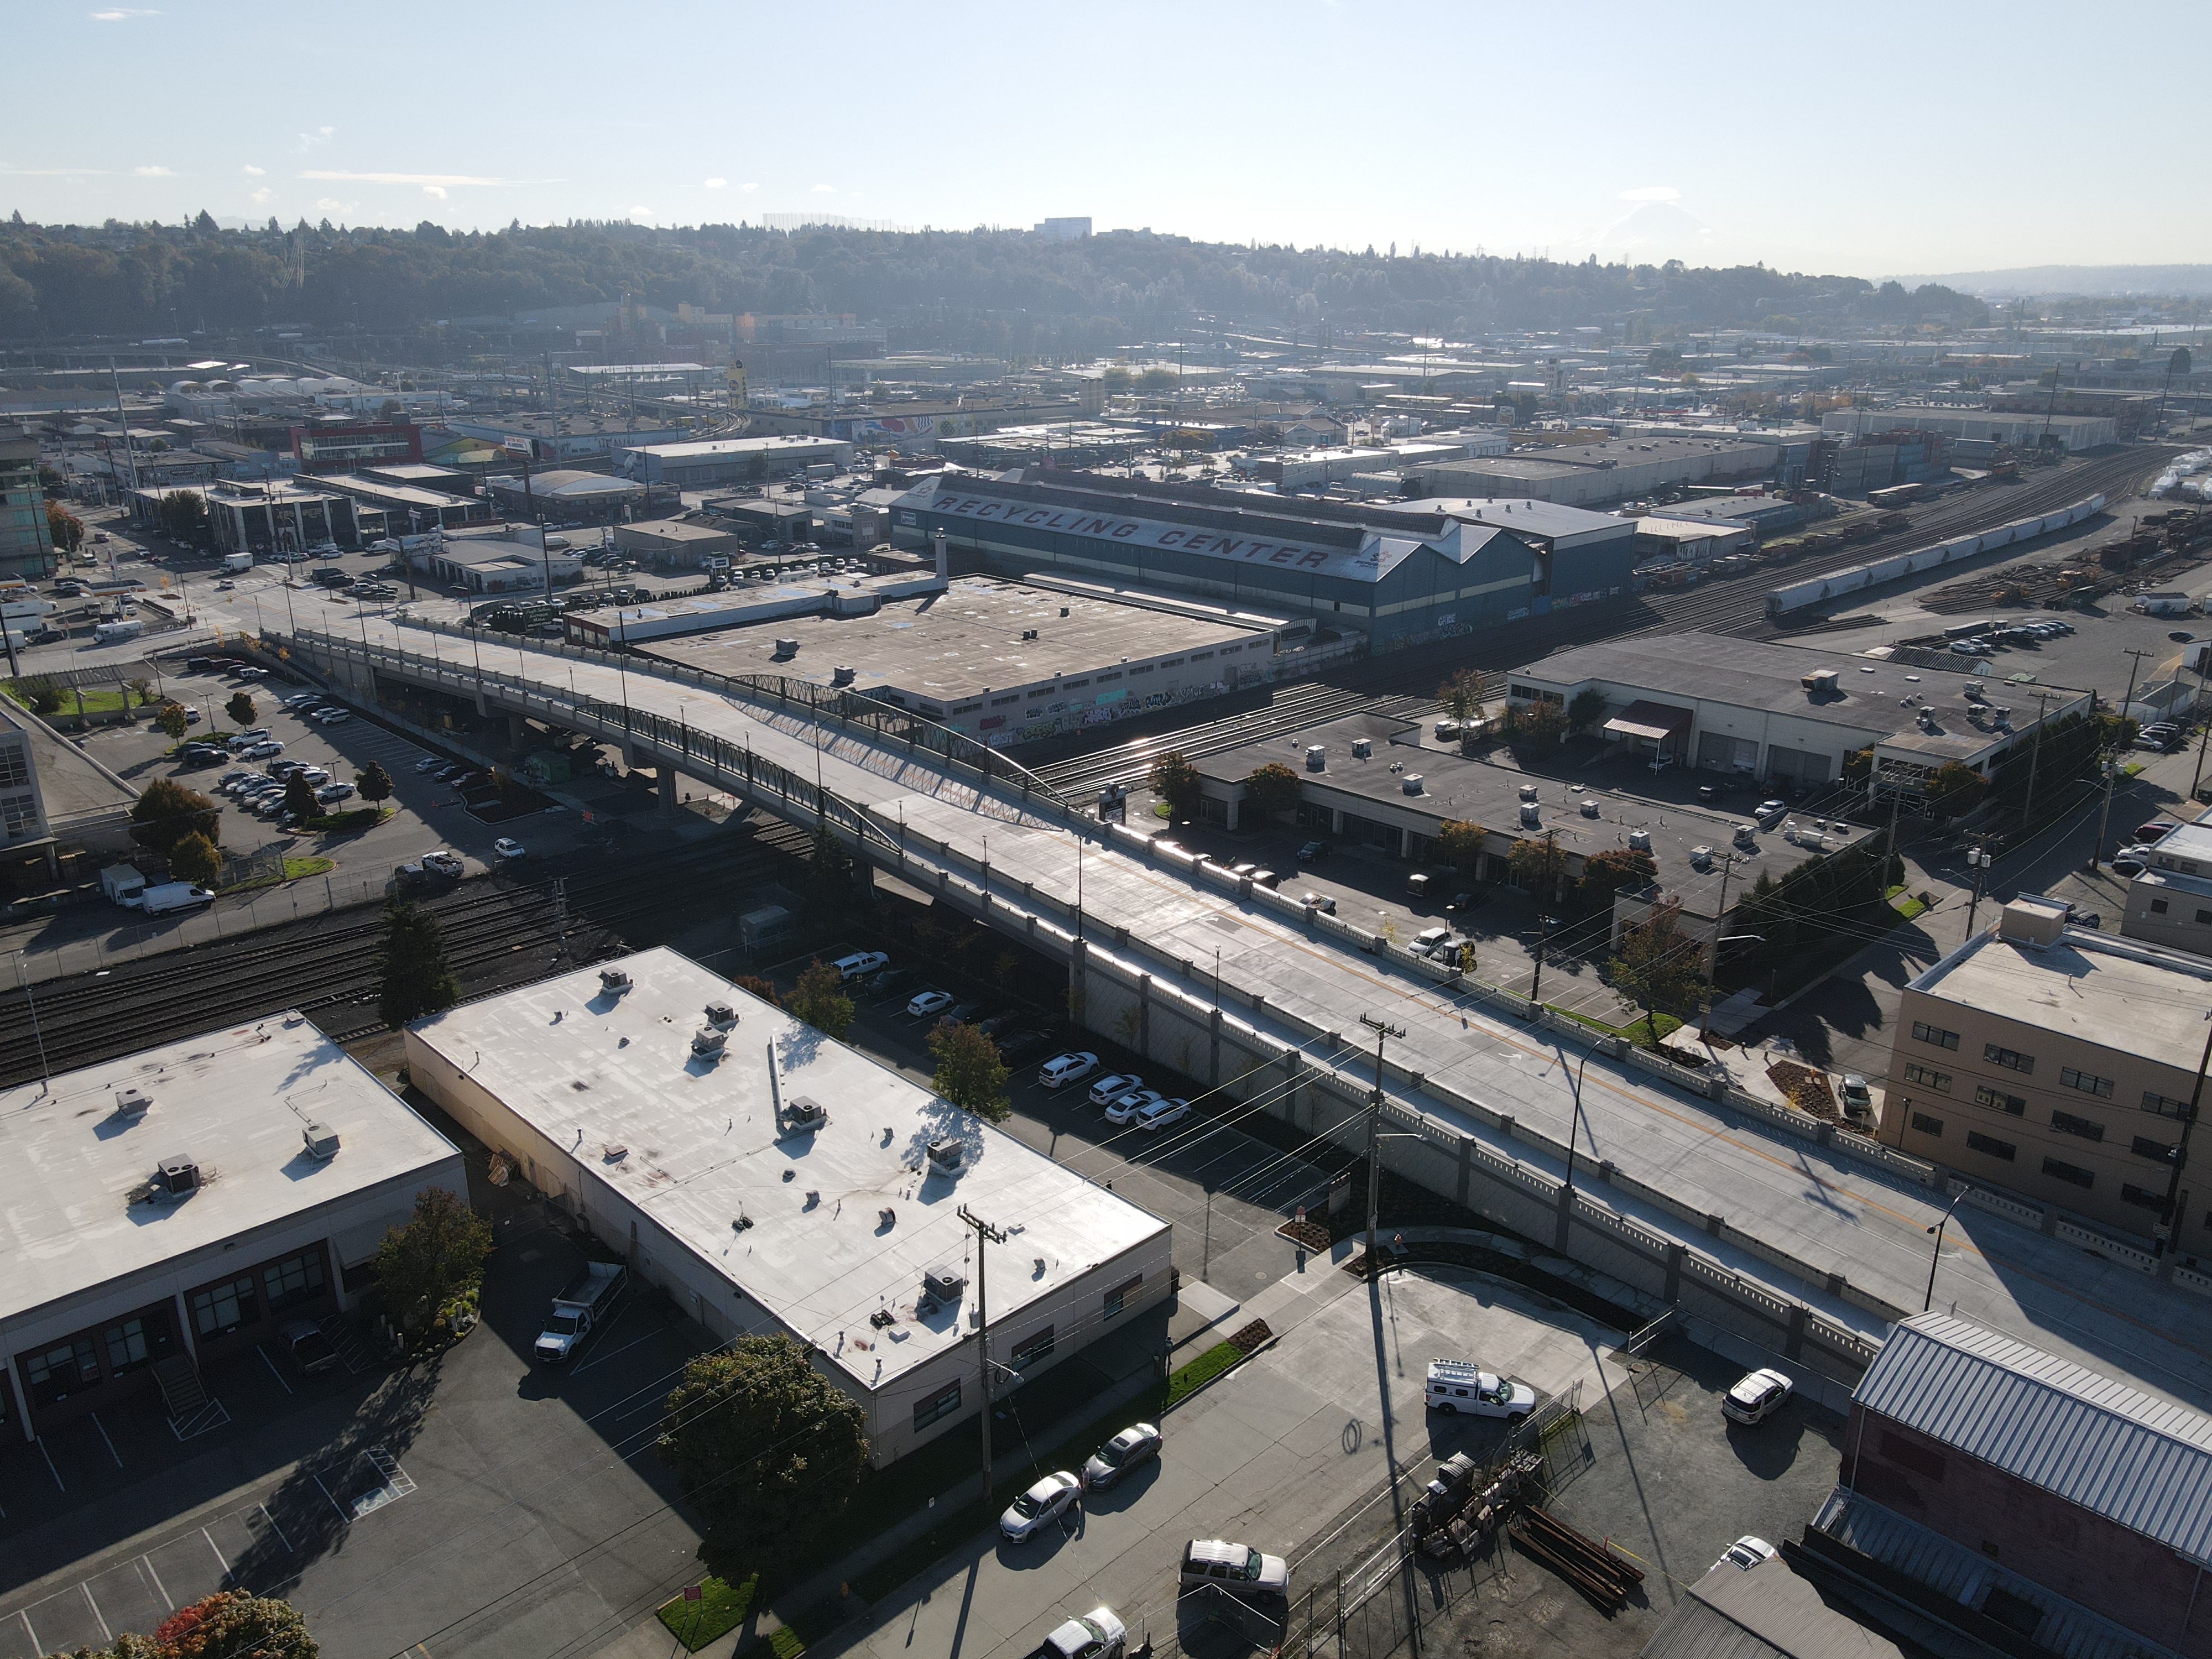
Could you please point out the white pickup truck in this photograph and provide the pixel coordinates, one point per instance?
(578, 1310)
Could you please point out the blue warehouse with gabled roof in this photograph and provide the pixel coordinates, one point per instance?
(1401, 573)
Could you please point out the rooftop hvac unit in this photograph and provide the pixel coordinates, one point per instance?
(1639, 841)
(1028, 633)
(785, 648)
(1316, 757)
(1411, 783)
(708, 1043)
(1529, 814)
(842, 674)
(945, 1156)
(721, 1016)
(1527, 792)
(943, 1284)
(1822, 681)
(1589, 806)
(178, 1176)
(320, 1139)
(803, 1115)
(1701, 857)
(1363, 748)
(614, 981)
(1745, 836)
(133, 1101)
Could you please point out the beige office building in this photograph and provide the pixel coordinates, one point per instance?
(2058, 1064)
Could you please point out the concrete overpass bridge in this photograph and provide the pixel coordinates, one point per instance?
(1760, 1225)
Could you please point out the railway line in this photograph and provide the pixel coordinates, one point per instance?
(330, 972)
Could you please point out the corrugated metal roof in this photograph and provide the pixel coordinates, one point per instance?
(1765, 1613)
(2144, 1462)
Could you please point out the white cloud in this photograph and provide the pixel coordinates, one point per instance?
(332, 204)
(52, 173)
(261, 194)
(714, 183)
(1652, 193)
(253, 172)
(437, 191)
(825, 190)
(319, 135)
(122, 14)
(428, 180)
(643, 213)
(153, 172)
(749, 186)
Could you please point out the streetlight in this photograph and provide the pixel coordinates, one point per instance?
(1928, 1301)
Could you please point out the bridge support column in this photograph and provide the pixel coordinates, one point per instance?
(1144, 1015)
(1078, 965)
(517, 730)
(667, 791)
(1566, 1218)
(1213, 1033)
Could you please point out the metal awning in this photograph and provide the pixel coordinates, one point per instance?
(1654, 721)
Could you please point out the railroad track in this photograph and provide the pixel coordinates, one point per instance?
(331, 972)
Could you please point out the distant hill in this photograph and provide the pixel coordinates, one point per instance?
(2033, 281)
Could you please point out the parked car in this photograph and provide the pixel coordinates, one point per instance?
(888, 982)
(428, 764)
(1746, 1552)
(1037, 1507)
(961, 1013)
(509, 849)
(1126, 1108)
(1459, 1385)
(928, 1003)
(1161, 1112)
(859, 964)
(1237, 1568)
(332, 793)
(2156, 830)
(331, 716)
(1015, 1046)
(1134, 1446)
(1756, 1397)
(1312, 850)
(305, 1348)
(316, 775)
(1320, 901)
(1428, 940)
(264, 749)
(1097, 1635)
(1112, 1086)
(1063, 1069)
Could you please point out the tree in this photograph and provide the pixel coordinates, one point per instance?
(819, 998)
(1156, 379)
(232, 1625)
(1658, 964)
(1461, 697)
(300, 797)
(66, 529)
(1175, 780)
(830, 871)
(437, 1257)
(45, 696)
(1610, 872)
(172, 719)
(1664, 359)
(1461, 844)
(1956, 789)
(142, 689)
(373, 782)
(194, 858)
(240, 708)
(183, 514)
(166, 811)
(1586, 705)
(1118, 379)
(1538, 864)
(416, 978)
(1272, 790)
(754, 985)
(969, 1072)
(1535, 728)
(767, 1451)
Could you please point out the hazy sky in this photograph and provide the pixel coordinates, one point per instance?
(1867, 138)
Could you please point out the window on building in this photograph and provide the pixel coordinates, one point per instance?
(1172, 662)
(1939, 1081)
(1990, 1146)
(221, 1309)
(1033, 1349)
(59, 1372)
(2156, 1150)
(2067, 1124)
(1201, 656)
(1118, 1297)
(942, 1403)
(1011, 696)
(2058, 1170)
(132, 1343)
(295, 1279)
(1142, 668)
(2205, 918)
(2144, 1199)
(1924, 1124)
(2158, 907)
(1923, 1032)
(2011, 1059)
(1075, 685)
(2087, 1082)
(2163, 1105)
(15, 767)
(1985, 1096)
(1106, 678)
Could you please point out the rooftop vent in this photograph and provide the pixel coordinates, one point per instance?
(178, 1177)
(943, 1283)
(321, 1141)
(1745, 836)
(842, 674)
(1530, 814)
(722, 1015)
(1701, 857)
(1363, 748)
(133, 1101)
(1411, 783)
(1028, 633)
(708, 1043)
(1639, 841)
(945, 1156)
(1316, 757)
(614, 981)
(787, 648)
(1822, 681)
(1527, 792)
(804, 1115)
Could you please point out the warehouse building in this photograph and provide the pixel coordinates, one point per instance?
(1786, 714)
(1398, 574)
(380, 506)
(717, 1144)
(165, 1212)
(666, 545)
(716, 461)
(1591, 474)
(2022, 1500)
(2019, 429)
(2059, 1063)
(567, 495)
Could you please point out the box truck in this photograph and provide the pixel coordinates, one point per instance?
(578, 1309)
(234, 562)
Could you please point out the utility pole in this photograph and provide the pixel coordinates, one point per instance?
(2179, 1155)
(2105, 818)
(1536, 984)
(1382, 1028)
(1978, 859)
(2034, 754)
(984, 1233)
(2133, 669)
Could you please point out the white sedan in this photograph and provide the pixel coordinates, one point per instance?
(1045, 1502)
(334, 792)
(1161, 1112)
(1127, 1108)
(1111, 1087)
(929, 1002)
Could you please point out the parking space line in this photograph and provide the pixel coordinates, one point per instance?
(106, 1635)
(102, 1427)
(326, 1490)
(51, 1470)
(273, 1371)
(274, 1528)
(217, 1548)
(31, 1631)
(167, 1601)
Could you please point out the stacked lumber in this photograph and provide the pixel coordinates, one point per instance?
(1603, 1578)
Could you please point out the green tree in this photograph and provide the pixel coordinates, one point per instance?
(830, 871)
(1585, 707)
(64, 526)
(1461, 844)
(1536, 729)
(1118, 379)
(1461, 697)
(1272, 790)
(969, 1072)
(172, 719)
(767, 1451)
(45, 696)
(143, 689)
(436, 1258)
(232, 1625)
(1175, 780)
(1956, 789)
(1538, 864)
(415, 977)
(300, 797)
(819, 998)
(373, 782)
(194, 858)
(1664, 359)
(240, 708)
(166, 811)
(1157, 380)
(1657, 964)
(1610, 872)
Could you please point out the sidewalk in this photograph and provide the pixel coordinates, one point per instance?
(1285, 1305)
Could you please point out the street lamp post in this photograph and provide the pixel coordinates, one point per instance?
(1929, 1300)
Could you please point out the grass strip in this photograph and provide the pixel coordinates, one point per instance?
(1188, 1380)
(721, 1608)
(293, 871)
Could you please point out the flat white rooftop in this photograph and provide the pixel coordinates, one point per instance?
(595, 1072)
(2118, 993)
(234, 1102)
